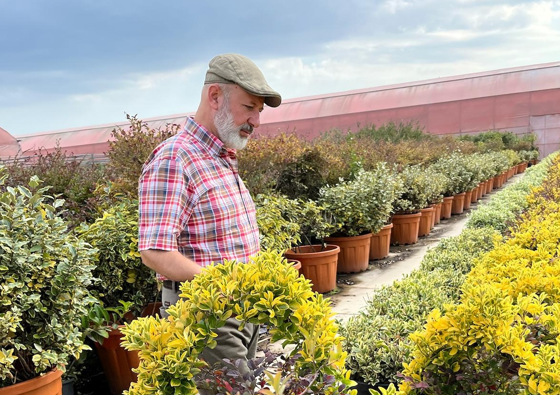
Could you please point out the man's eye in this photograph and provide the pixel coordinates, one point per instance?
(250, 108)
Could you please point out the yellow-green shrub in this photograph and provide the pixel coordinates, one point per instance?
(504, 336)
(265, 290)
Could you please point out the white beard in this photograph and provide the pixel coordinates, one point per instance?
(226, 129)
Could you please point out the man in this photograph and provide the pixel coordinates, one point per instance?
(194, 208)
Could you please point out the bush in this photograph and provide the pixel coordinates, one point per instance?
(362, 205)
(130, 148)
(527, 156)
(118, 264)
(506, 205)
(286, 223)
(394, 133)
(459, 173)
(277, 231)
(303, 178)
(45, 272)
(416, 190)
(513, 157)
(69, 178)
(265, 158)
(266, 290)
(377, 339)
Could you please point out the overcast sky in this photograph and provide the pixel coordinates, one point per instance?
(72, 63)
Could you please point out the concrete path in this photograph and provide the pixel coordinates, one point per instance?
(355, 289)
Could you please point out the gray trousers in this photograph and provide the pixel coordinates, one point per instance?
(231, 343)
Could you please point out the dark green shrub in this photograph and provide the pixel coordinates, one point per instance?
(303, 178)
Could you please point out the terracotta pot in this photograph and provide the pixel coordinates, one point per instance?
(522, 167)
(489, 185)
(467, 199)
(474, 194)
(446, 207)
(437, 214)
(426, 218)
(458, 203)
(380, 243)
(354, 252)
(405, 228)
(481, 191)
(117, 362)
(48, 384)
(295, 263)
(496, 183)
(317, 265)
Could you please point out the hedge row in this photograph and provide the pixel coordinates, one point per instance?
(504, 335)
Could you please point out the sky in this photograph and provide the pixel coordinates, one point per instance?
(74, 63)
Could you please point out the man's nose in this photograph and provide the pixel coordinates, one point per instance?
(255, 120)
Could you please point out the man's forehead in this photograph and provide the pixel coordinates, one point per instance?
(244, 95)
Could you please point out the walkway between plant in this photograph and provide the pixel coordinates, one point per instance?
(355, 289)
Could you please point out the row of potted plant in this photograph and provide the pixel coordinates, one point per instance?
(378, 339)
(352, 213)
(298, 168)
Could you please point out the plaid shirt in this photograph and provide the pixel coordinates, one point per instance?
(192, 200)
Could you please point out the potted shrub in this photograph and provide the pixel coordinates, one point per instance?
(319, 259)
(266, 290)
(297, 228)
(412, 197)
(123, 279)
(475, 169)
(385, 185)
(44, 274)
(358, 207)
(434, 190)
(460, 178)
(439, 182)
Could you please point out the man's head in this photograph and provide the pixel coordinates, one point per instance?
(234, 94)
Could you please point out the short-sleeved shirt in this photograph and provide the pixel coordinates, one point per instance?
(192, 200)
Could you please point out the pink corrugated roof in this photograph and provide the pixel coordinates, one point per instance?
(87, 140)
(500, 99)
(8, 144)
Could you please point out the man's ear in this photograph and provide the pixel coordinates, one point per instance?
(213, 95)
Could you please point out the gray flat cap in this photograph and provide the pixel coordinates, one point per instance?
(237, 69)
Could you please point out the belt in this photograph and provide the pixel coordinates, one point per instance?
(174, 285)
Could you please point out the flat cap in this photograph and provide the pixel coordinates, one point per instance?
(237, 69)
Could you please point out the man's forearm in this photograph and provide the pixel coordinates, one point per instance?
(171, 264)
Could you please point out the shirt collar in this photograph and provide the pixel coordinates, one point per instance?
(208, 140)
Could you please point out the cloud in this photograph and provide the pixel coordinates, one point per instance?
(71, 63)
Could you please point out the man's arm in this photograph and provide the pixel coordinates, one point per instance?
(171, 264)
